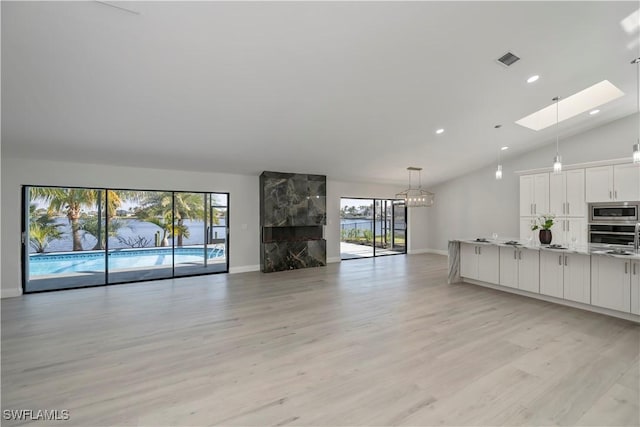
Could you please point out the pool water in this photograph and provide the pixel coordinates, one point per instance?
(47, 264)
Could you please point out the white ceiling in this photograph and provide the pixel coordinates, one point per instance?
(351, 90)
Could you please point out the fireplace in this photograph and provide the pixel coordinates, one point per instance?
(292, 219)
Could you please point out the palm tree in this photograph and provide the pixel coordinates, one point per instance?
(161, 208)
(70, 201)
(93, 225)
(42, 230)
(187, 206)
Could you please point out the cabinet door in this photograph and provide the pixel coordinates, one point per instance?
(599, 184)
(509, 267)
(468, 261)
(526, 195)
(576, 228)
(489, 264)
(577, 278)
(551, 273)
(541, 194)
(529, 270)
(635, 287)
(611, 283)
(558, 193)
(626, 179)
(576, 205)
(526, 232)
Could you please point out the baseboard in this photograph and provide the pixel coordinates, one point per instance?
(427, 251)
(333, 259)
(10, 293)
(588, 307)
(244, 269)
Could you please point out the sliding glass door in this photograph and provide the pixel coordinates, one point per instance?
(78, 237)
(372, 227)
(140, 244)
(61, 238)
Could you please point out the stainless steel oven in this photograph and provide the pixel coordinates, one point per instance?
(613, 223)
(614, 212)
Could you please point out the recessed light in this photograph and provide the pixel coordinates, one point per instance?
(594, 112)
(439, 131)
(533, 78)
(578, 103)
(504, 148)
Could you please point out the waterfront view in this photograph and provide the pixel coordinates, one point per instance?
(372, 227)
(85, 237)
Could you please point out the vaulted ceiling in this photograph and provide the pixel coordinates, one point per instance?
(353, 90)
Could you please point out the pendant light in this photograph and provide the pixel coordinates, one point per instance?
(416, 197)
(557, 160)
(499, 169)
(636, 146)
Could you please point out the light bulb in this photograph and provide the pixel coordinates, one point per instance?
(557, 164)
(499, 172)
(636, 153)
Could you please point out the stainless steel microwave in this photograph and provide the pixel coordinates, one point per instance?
(616, 213)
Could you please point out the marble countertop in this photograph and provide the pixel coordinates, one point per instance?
(581, 250)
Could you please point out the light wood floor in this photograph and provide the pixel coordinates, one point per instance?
(366, 342)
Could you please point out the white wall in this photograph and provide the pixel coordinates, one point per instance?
(477, 204)
(244, 204)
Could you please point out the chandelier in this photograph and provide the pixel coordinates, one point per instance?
(416, 197)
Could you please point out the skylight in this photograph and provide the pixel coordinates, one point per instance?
(585, 100)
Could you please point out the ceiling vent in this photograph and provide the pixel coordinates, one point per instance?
(508, 59)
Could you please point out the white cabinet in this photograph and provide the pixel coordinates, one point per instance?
(534, 194)
(611, 283)
(565, 275)
(520, 268)
(488, 264)
(577, 278)
(567, 194)
(529, 270)
(480, 262)
(509, 267)
(599, 184)
(635, 287)
(565, 229)
(612, 183)
(551, 274)
(626, 179)
(468, 260)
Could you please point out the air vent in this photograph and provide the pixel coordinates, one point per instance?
(508, 59)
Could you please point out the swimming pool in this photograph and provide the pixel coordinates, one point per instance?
(124, 259)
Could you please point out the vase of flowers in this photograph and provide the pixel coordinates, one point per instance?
(544, 224)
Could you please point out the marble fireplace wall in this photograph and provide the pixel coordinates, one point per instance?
(293, 211)
(290, 199)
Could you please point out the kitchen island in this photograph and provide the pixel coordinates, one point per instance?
(598, 278)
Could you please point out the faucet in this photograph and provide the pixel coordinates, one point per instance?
(636, 238)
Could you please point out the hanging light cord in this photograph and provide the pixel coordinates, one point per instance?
(637, 62)
(557, 124)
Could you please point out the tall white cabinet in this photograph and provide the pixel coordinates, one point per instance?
(534, 194)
